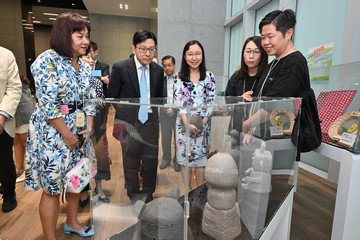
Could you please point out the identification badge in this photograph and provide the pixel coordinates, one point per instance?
(80, 119)
(96, 73)
(64, 109)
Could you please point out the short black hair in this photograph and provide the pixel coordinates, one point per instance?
(168, 57)
(282, 20)
(141, 35)
(93, 45)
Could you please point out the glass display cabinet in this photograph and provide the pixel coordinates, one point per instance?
(236, 177)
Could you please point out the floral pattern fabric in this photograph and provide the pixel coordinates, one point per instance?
(193, 97)
(47, 156)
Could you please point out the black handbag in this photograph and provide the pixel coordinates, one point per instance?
(306, 134)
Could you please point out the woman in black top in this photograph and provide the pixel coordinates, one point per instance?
(242, 83)
(254, 60)
(288, 73)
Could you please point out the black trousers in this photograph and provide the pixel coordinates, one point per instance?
(138, 155)
(7, 166)
(168, 126)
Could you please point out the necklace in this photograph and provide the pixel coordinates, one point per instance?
(272, 66)
(244, 85)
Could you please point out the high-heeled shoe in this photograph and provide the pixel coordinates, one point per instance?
(88, 232)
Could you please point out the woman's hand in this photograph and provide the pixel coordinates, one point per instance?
(193, 129)
(169, 112)
(247, 95)
(71, 140)
(86, 134)
(248, 139)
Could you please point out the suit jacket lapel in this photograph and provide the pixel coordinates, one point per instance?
(134, 76)
(165, 86)
(153, 80)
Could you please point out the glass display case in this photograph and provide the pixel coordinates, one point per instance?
(223, 176)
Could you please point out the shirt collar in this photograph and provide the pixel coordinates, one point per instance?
(138, 64)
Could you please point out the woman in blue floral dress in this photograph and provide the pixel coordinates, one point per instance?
(53, 147)
(195, 90)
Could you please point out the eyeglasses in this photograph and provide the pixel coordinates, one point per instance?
(255, 51)
(191, 54)
(144, 49)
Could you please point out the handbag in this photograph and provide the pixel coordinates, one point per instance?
(78, 177)
(306, 134)
(195, 120)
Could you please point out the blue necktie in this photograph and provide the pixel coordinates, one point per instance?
(143, 111)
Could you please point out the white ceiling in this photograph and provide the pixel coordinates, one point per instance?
(136, 8)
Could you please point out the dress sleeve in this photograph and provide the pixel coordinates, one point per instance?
(230, 86)
(211, 93)
(47, 85)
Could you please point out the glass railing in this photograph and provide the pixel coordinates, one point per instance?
(215, 168)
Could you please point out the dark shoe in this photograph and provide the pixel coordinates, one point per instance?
(164, 165)
(177, 166)
(84, 202)
(104, 199)
(107, 193)
(9, 204)
(86, 233)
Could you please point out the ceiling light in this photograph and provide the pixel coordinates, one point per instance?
(36, 21)
(52, 19)
(120, 6)
(50, 14)
(126, 6)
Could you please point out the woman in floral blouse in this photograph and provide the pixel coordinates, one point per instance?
(194, 90)
(61, 117)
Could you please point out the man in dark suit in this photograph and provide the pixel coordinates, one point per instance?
(138, 77)
(168, 115)
(101, 71)
(103, 67)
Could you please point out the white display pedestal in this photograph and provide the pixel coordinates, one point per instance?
(280, 224)
(284, 144)
(347, 205)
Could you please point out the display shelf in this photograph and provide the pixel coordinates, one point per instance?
(347, 208)
(257, 201)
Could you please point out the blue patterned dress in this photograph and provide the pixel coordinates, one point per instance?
(194, 96)
(47, 156)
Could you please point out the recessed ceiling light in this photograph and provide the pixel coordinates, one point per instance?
(36, 21)
(126, 6)
(50, 14)
(52, 19)
(120, 6)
